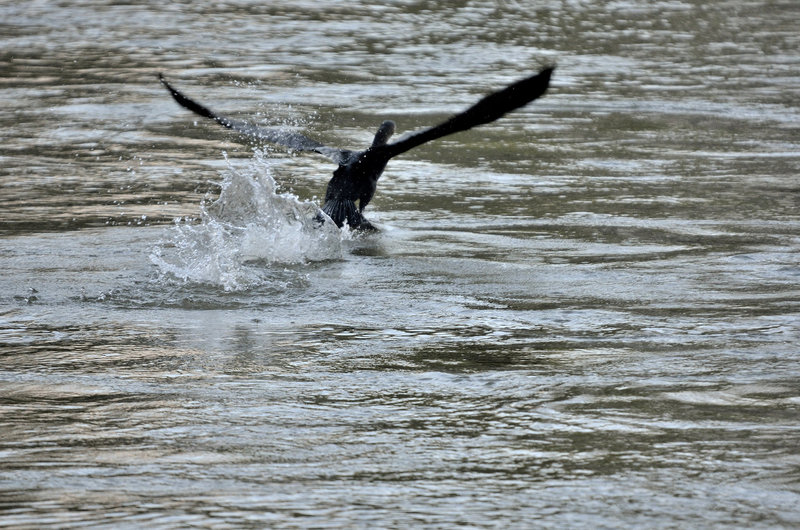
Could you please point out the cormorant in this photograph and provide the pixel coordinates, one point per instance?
(357, 175)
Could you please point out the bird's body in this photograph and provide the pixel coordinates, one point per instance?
(356, 177)
(357, 180)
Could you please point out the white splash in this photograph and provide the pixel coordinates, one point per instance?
(247, 231)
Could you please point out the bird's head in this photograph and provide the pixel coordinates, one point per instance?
(385, 131)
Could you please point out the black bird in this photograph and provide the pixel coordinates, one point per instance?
(356, 178)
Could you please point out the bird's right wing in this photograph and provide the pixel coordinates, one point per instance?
(284, 137)
(487, 110)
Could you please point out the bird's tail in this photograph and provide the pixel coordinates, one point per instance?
(344, 211)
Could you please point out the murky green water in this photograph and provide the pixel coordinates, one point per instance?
(586, 313)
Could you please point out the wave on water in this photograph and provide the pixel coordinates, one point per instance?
(246, 232)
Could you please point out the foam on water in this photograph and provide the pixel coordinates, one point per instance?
(248, 231)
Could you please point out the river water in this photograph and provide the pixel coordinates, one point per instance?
(586, 313)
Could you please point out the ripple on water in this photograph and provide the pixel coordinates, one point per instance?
(584, 314)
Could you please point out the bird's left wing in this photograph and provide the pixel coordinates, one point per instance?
(284, 137)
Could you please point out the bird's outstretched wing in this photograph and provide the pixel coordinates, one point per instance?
(484, 111)
(284, 137)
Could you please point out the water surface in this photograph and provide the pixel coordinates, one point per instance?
(585, 313)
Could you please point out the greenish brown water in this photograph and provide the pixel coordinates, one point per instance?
(586, 313)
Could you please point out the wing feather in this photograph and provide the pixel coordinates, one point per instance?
(487, 110)
(284, 137)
